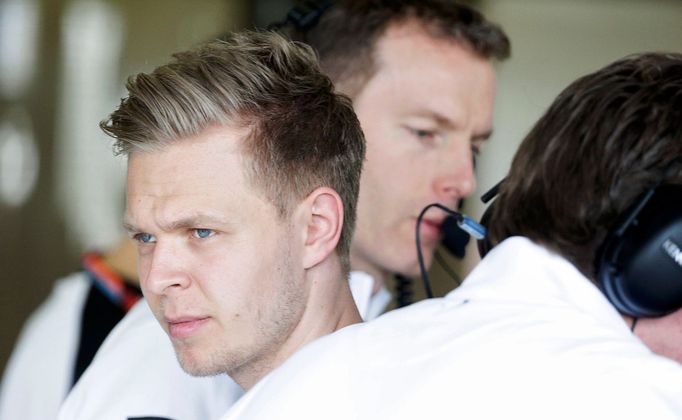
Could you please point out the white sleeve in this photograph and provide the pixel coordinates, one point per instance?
(40, 370)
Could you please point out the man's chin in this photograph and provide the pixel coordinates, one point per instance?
(196, 365)
(197, 369)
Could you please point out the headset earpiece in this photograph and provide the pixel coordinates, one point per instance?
(639, 266)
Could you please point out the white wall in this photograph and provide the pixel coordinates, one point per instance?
(553, 43)
(103, 42)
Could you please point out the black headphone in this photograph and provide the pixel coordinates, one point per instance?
(639, 264)
(303, 16)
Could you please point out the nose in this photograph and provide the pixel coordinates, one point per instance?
(164, 272)
(455, 178)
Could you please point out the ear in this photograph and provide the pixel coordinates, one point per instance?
(324, 219)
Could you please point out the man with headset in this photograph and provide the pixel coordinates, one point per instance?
(422, 83)
(593, 201)
(420, 76)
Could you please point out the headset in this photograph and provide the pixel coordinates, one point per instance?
(456, 230)
(639, 264)
(303, 16)
(465, 223)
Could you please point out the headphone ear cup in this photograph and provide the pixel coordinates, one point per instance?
(608, 276)
(484, 245)
(639, 265)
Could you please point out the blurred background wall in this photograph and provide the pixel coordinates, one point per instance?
(63, 64)
(553, 43)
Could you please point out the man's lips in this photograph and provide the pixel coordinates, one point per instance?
(430, 229)
(185, 326)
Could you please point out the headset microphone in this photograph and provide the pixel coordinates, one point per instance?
(465, 223)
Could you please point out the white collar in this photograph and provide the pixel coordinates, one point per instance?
(369, 305)
(518, 270)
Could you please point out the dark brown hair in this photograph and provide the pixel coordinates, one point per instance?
(346, 35)
(302, 134)
(606, 139)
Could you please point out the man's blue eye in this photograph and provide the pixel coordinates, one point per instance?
(145, 238)
(203, 233)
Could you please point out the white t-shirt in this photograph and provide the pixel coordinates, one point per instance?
(39, 372)
(137, 364)
(526, 336)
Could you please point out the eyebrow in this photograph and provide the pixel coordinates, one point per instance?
(444, 121)
(183, 223)
(483, 136)
(439, 118)
(129, 227)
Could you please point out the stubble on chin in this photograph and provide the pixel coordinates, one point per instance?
(207, 361)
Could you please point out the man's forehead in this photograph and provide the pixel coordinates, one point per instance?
(406, 27)
(446, 91)
(413, 31)
(407, 46)
(198, 164)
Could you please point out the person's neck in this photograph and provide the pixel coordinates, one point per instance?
(329, 307)
(662, 335)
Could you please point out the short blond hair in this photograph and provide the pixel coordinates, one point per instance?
(302, 135)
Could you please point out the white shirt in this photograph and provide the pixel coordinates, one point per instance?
(369, 306)
(39, 372)
(135, 372)
(526, 336)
